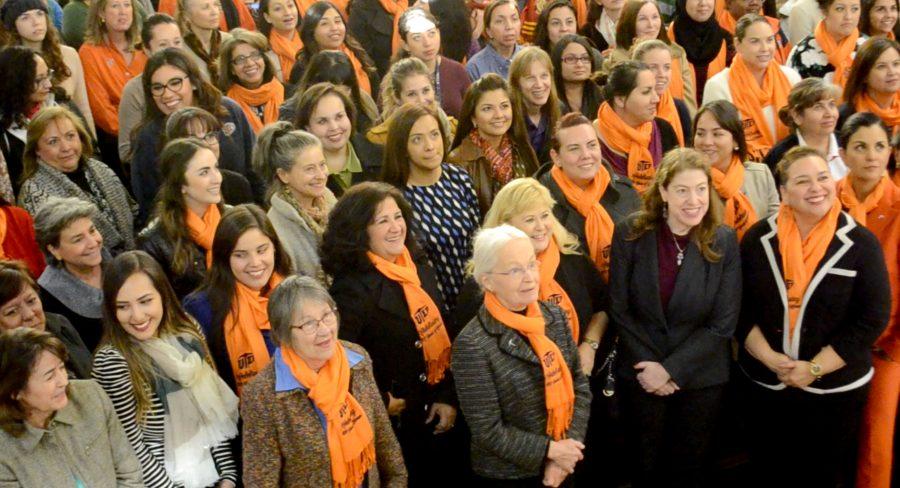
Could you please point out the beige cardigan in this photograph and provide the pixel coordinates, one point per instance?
(74, 85)
(759, 186)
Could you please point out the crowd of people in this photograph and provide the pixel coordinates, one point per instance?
(390, 243)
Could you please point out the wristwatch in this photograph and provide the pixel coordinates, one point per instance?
(815, 369)
(594, 344)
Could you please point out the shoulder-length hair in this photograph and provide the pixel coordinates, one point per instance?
(253, 39)
(729, 118)
(865, 23)
(19, 352)
(39, 125)
(395, 169)
(521, 63)
(333, 67)
(95, 29)
(557, 54)
(541, 30)
(174, 321)
(311, 19)
(626, 27)
(310, 99)
(346, 238)
(650, 216)
(18, 74)
(392, 84)
(863, 64)
(263, 25)
(206, 95)
(50, 49)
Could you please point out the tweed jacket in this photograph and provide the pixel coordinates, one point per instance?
(500, 385)
(284, 438)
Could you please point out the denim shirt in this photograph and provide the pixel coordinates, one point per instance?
(488, 60)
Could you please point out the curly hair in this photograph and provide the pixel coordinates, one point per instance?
(18, 71)
(50, 49)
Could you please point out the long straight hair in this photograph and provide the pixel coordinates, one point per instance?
(521, 62)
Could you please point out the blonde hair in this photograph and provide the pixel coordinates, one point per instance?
(95, 27)
(39, 125)
(392, 84)
(639, 50)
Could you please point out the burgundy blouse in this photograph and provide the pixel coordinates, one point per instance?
(667, 254)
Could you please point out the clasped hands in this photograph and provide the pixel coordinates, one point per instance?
(790, 372)
(562, 456)
(654, 378)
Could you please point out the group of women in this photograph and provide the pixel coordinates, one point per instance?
(535, 244)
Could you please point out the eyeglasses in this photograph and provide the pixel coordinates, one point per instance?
(518, 272)
(242, 60)
(311, 326)
(573, 59)
(157, 89)
(211, 137)
(48, 78)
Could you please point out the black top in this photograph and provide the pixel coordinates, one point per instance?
(154, 242)
(684, 116)
(90, 330)
(373, 27)
(79, 362)
(778, 151)
(844, 112)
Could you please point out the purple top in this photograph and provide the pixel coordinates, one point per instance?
(619, 162)
(667, 254)
(453, 81)
(537, 134)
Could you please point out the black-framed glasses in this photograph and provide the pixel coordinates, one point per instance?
(157, 89)
(242, 60)
(48, 78)
(573, 59)
(311, 326)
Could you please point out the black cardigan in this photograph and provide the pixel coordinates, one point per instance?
(371, 25)
(847, 304)
(370, 158)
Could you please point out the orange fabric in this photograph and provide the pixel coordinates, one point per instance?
(286, 50)
(351, 440)
(559, 389)
(203, 230)
(719, 63)
(2, 233)
(551, 291)
(739, 212)
(800, 257)
(396, 9)
(840, 55)
(890, 115)
(750, 98)
(860, 210)
(243, 332)
(667, 111)
(245, 17)
(598, 225)
(635, 142)
(423, 312)
(581, 13)
(106, 73)
(727, 22)
(361, 75)
(270, 94)
(304, 5)
(877, 427)
(676, 82)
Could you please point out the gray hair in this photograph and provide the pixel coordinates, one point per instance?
(287, 298)
(54, 216)
(277, 147)
(487, 246)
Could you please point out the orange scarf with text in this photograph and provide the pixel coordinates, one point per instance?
(270, 94)
(800, 257)
(890, 115)
(362, 76)
(203, 230)
(351, 440)
(739, 212)
(559, 389)
(396, 9)
(551, 291)
(598, 225)
(667, 111)
(750, 98)
(858, 210)
(286, 50)
(243, 331)
(840, 54)
(423, 312)
(635, 142)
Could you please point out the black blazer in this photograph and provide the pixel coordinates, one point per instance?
(692, 337)
(374, 315)
(371, 25)
(370, 158)
(847, 304)
(778, 151)
(154, 242)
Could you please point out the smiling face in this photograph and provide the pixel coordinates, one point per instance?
(203, 14)
(867, 153)
(253, 259)
(841, 18)
(418, 90)
(80, 245)
(42, 82)
(117, 15)
(248, 65)
(660, 63)
(32, 25)
(171, 89)
(60, 145)
(714, 141)
(882, 16)
(23, 310)
(202, 180)
(317, 348)
(330, 123)
(425, 144)
(308, 175)
(699, 10)
(535, 84)
(820, 119)
(758, 46)
(493, 113)
(561, 22)
(505, 26)
(387, 230)
(423, 45)
(579, 153)
(45, 391)
(330, 31)
(640, 105)
(139, 307)
(515, 277)
(687, 198)
(648, 22)
(809, 188)
(537, 223)
(576, 63)
(283, 15)
(884, 77)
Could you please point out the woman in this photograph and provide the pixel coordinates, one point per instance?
(199, 22)
(532, 88)
(675, 281)
(708, 46)
(293, 163)
(874, 83)
(328, 376)
(603, 17)
(17, 241)
(231, 13)
(878, 18)
(326, 111)
(75, 16)
(46, 418)
(58, 162)
(828, 52)
(378, 271)
(27, 24)
(460, 27)
(172, 81)
(153, 363)
(420, 38)
(20, 306)
(110, 56)
(491, 142)
(870, 197)
(441, 195)
(280, 21)
(632, 138)
(374, 24)
(247, 76)
(557, 19)
(574, 67)
(248, 262)
(756, 84)
(657, 55)
(502, 27)
(517, 371)
(812, 114)
(747, 189)
(188, 210)
(729, 12)
(814, 356)
(324, 29)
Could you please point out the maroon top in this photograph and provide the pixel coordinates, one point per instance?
(619, 163)
(454, 82)
(667, 254)
(19, 242)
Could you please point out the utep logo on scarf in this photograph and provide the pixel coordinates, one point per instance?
(349, 417)
(432, 327)
(553, 372)
(555, 298)
(245, 360)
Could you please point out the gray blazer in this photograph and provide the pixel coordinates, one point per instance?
(500, 385)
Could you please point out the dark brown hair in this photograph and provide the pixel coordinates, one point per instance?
(14, 277)
(311, 19)
(626, 27)
(542, 30)
(310, 99)
(395, 169)
(792, 156)
(804, 95)
(571, 119)
(19, 352)
(865, 23)
(728, 117)
(865, 60)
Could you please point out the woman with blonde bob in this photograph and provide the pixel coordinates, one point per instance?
(532, 88)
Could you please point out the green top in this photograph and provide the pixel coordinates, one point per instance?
(344, 177)
(75, 16)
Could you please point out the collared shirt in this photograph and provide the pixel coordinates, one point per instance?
(838, 168)
(488, 60)
(344, 177)
(537, 134)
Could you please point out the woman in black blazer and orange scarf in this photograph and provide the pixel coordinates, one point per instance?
(674, 281)
(809, 365)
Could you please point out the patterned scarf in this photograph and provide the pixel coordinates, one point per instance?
(501, 160)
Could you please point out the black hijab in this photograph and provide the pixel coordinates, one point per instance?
(702, 41)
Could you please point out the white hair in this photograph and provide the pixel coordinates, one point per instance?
(487, 246)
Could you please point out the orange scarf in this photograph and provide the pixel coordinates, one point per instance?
(750, 98)
(203, 230)
(351, 440)
(362, 76)
(551, 291)
(840, 55)
(559, 389)
(243, 332)
(598, 225)
(2, 234)
(800, 258)
(739, 212)
(423, 312)
(667, 111)
(635, 142)
(859, 210)
(396, 9)
(890, 115)
(270, 94)
(286, 50)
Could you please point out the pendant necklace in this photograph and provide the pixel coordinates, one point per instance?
(680, 257)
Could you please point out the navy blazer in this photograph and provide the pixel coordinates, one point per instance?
(691, 338)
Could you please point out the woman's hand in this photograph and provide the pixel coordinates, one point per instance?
(586, 354)
(667, 389)
(798, 375)
(446, 417)
(565, 453)
(395, 405)
(653, 375)
(776, 362)
(554, 474)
